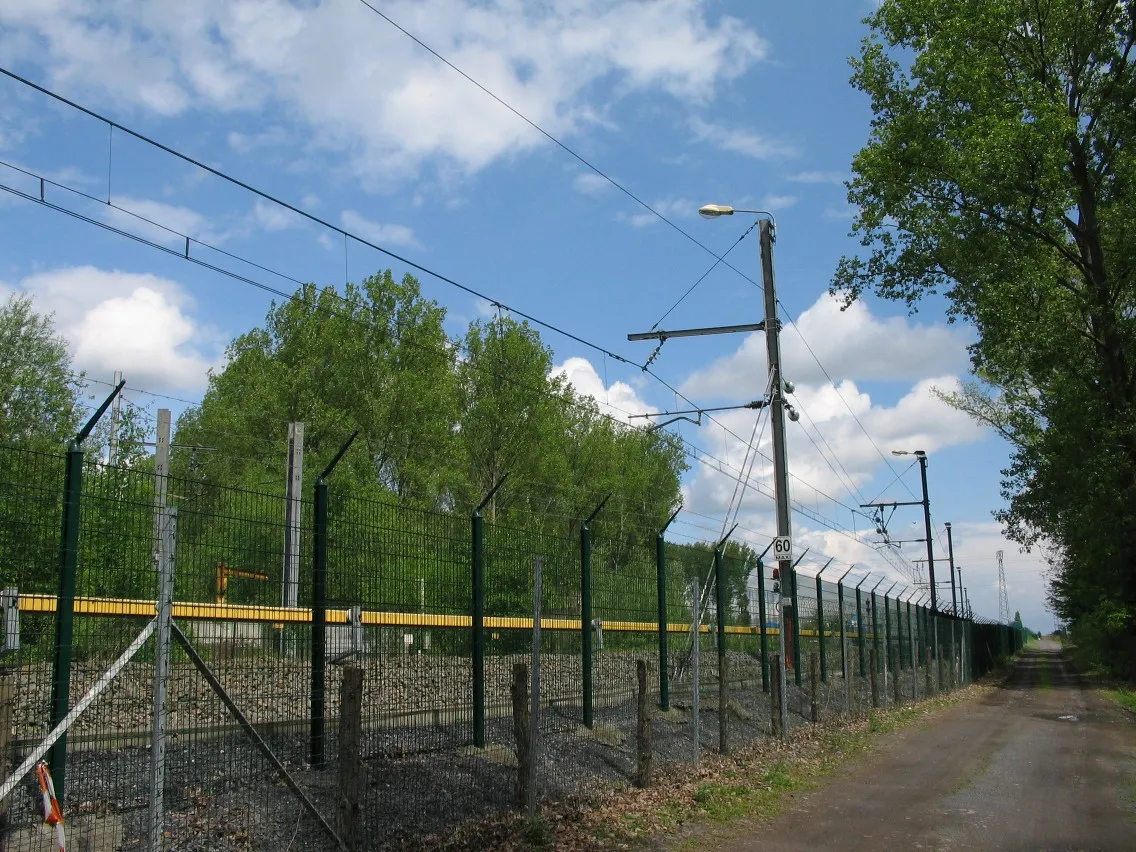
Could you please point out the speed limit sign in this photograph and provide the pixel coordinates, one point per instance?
(782, 547)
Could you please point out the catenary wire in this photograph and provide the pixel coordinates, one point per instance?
(578, 157)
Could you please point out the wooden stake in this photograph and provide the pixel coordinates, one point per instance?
(350, 757)
(643, 731)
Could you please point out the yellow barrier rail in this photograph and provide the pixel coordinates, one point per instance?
(132, 608)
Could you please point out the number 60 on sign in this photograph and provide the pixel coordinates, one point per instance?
(782, 547)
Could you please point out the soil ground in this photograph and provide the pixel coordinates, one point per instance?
(1043, 763)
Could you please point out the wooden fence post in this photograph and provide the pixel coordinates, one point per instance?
(872, 660)
(775, 696)
(520, 695)
(643, 731)
(350, 756)
(814, 683)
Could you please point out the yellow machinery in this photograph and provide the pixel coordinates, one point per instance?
(224, 572)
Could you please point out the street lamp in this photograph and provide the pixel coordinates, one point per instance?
(922, 456)
(778, 405)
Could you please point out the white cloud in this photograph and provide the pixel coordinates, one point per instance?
(162, 223)
(679, 208)
(273, 217)
(589, 183)
(617, 400)
(356, 85)
(742, 142)
(830, 448)
(850, 343)
(139, 323)
(773, 203)
(976, 547)
(817, 177)
(377, 232)
(840, 214)
(918, 419)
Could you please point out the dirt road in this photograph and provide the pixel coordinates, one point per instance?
(1040, 764)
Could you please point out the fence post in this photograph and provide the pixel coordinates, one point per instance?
(889, 659)
(477, 612)
(820, 628)
(874, 655)
(860, 629)
(912, 645)
(843, 629)
(586, 610)
(762, 615)
(898, 634)
(7, 699)
(695, 666)
(534, 692)
(814, 687)
(664, 652)
(775, 698)
(65, 611)
(643, 730)
(797, 676)
(477, 625)
(723, 683)
(875, 634)
(519, 692)
(350, 758)
(319, 606)
(167, 538)
(65, 603)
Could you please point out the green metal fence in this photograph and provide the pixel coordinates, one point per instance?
(436, 609)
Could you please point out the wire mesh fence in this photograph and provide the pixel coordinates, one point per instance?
(350, 650)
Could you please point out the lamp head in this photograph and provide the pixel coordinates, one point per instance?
(713, 211)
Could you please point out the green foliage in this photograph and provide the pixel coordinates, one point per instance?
(39, 404)
(999, 173)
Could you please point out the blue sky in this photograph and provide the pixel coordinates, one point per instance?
(329, 107)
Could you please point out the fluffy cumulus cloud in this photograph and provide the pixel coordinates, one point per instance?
(835, 447)
(853, 343)
(377, 232)
(140, 324)
(356, 84)
(618, 399)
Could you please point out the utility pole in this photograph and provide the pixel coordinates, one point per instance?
(780, 453)
(951, 559)
(922, 456)
(783, 550)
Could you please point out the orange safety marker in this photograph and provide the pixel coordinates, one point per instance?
(52, 814)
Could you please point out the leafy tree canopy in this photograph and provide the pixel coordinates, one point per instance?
(999, 174)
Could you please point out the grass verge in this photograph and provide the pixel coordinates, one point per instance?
(756, 782)
(1123, 696)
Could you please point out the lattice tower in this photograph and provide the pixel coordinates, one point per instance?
(1003, 600)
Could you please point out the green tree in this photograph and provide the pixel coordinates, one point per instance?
(375, 359)
(39, 404)
(999, 174)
